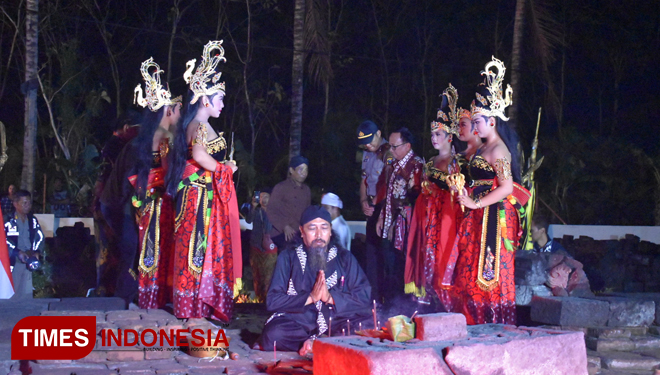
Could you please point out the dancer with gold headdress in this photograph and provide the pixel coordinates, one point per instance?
(207, 264)
(434, 222)
(153, 205)
(480, 269)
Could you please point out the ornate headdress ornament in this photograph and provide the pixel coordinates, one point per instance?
(156, 95)
(493, 104)
(206, 72)
(447, 114)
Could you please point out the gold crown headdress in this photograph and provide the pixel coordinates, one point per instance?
(156, 95)
(493, 103)
(462, 112)
(206, 72)
(447, 113)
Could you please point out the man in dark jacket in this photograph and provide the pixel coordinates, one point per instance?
(24, 241)
(315, 285)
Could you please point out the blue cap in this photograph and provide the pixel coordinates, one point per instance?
(366, 132)
(314, 212)
(297, 160)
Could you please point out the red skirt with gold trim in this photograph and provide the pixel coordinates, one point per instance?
(156, 239)
(480, 271)
(204, 250)
(431, 237)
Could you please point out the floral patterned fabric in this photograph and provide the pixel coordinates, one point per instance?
(480, 272)
(205, 249)
(432, 234)
(155, 239)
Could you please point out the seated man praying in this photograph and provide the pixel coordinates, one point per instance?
(312, 283)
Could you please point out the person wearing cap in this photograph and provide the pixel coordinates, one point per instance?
(288, 201)
(333, 205)
(376, 150)
(313, 282)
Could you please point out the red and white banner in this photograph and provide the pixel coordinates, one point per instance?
(6, 282)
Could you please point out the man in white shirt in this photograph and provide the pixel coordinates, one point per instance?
(333, 205)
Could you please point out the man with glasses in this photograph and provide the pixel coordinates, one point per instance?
(374, 157)
(404, 183)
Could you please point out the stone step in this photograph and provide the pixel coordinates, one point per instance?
(648, 342)
(593, 362)
(610, 345)
(627, 361)
(616, 332)
(618, 372)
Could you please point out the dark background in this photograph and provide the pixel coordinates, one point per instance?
(390, 61)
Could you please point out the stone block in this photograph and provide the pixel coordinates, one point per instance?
(530, 268)
(629, 312)
(95, 356)
(541, 291)
(88, 304)
(628, 361)
(524, 295)
(646, 342)
(570, 311)
(159, 354)
(609, 345)
(611, 332)
(122, 315)
(440, 327)
(549, 353)
(125, 355)
(355, 356)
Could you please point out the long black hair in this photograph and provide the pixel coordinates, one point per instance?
(511, 140)
(142, 146)
(179, 154)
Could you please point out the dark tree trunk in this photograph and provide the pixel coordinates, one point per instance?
(297, 79)
(31, 84)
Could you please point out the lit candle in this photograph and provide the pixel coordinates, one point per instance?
(343, 332)
(373, 311)
(379, 324)
(348, 324)
(275, 350)
(330, 328)
(360, 325)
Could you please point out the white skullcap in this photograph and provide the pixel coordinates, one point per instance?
(331, 199)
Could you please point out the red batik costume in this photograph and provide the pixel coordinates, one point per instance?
(207, 264)
(155, 236)
(480, 268)
(432, 233)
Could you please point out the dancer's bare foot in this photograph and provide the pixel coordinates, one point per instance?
(306, 348)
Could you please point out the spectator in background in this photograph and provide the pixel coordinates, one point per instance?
(59, 200)
(404, 184)
(372, 191)
(24, 242)
(333, 205)
(7, 202)
(539, 231)
(288, 201)
(263, 252)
